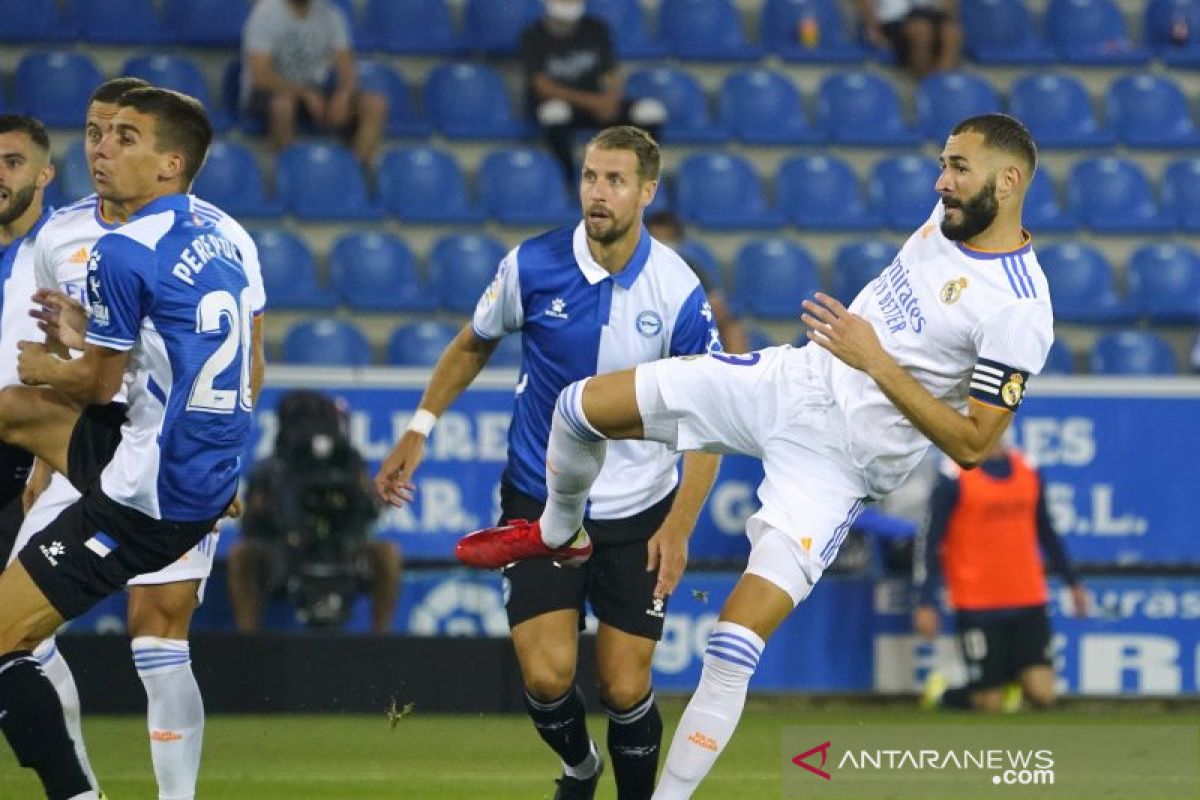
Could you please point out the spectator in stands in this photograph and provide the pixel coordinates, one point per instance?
(309, 510)
(925, 34)
(667, 228)
(572, 81)
(297, 61)
(986, 525)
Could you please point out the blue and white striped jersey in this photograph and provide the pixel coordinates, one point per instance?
(577, 320)
(171, 289)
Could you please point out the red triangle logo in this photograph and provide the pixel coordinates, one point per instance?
(823, 749)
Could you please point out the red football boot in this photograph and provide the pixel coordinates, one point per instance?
(493, 548)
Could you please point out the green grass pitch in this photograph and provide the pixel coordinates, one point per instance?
(436, 757)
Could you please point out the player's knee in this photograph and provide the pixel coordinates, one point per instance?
(164, 611)
(623, 690)
(546, 683)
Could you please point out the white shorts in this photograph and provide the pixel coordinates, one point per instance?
(769, 404)
(196, 564)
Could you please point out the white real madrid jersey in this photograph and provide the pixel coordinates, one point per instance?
(963, 322)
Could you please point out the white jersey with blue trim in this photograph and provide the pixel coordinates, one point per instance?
(963, 322)
(67, 239)
(578, 320)
(17, 284)
(169, 288)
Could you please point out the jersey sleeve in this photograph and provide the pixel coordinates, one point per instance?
(499, 311)
(43, 271)
(234, 232)
(695, 327)
(118, 291)
(1012, 344)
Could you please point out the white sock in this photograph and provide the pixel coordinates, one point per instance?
(586, 768)
(712, 714)
(59, 673)
(574, 457)
(174, 713)
(86, 796)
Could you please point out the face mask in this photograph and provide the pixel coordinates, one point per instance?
(564, 10)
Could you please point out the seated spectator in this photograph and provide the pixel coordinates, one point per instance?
(572, 82)
(306, 526)
(925, 34)
(668, 229)
(296, 61)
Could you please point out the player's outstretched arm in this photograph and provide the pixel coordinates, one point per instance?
(458, 366)
(92, 379)
(966, 438)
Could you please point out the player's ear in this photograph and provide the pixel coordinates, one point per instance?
(172, 165)
(649, 189)
(46, 175)
(1010, 180)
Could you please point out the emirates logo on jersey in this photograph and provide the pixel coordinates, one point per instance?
(953, 290)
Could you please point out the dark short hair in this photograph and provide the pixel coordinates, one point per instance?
(30, 126)
(180, 123)
(111, 90)
(1002, 132)
(629, 137)
(666, 219)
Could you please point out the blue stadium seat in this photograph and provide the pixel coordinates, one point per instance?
(1172, 29)
(1043, 213)
(55, 87)
(403, 117)
(376, 272)
(704, 30)
(1058, 112)
(722, 191)
(1132, 353)
(180, 74)
(1181, 192)
(73, 176)
(688, 118)
(1091, 32)
(1082, 284)
(414, 27)
(1164, 283)
(460, 268)
(947, 98)
(118, 21)
(324, 182)
(470, 101)
(860, 108)
(420, 344)
(422, 184)
(856, 264)
(289, 271)
(901, 189)
(525, 187)
(495, 28)
(1151, 111)
(40, 22)
(1060, 360)
(1002, 32)
(763, 107)
(1113, 195)
(326, 343)
(232, 180)
(627, 24)
(206, 23)
(701, 259)
(781, 24)
(772, 276)
(508, 353)
(823, 193)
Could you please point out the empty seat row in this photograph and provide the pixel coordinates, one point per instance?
(715, 190)
(338, 343)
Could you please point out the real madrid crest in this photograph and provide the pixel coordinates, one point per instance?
(1012, 391)
(953, 290)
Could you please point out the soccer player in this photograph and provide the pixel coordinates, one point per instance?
(986, 527)
(170, 308)
(598, 295)
(25, 171)
(938, 347)
(160, 603)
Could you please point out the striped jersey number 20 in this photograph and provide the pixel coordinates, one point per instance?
(213, 309)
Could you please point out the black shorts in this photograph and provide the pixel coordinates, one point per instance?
(998, 646)
(614, 581)
(96, 544)
(14, 472)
